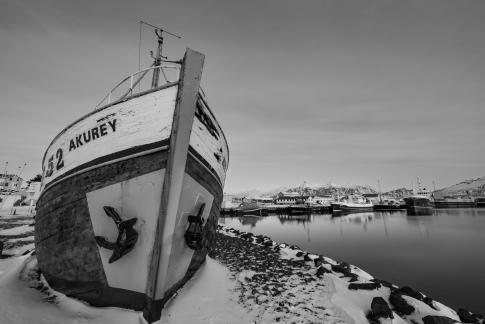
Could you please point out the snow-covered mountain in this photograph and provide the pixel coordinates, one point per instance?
(312, 190)
(399, 193)
(473, 187)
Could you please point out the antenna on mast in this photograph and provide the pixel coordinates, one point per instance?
(20, 173)
(158, 56)
(3, 176)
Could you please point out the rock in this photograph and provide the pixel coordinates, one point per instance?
(259, 239)
(400, 304)
(321, 271)
(318, 262)
(307, 258)
(340, 268)
(298, 263)
(466, 316)
(438, 320)
(364, 286)
(429, 301)
(380, 308)
(299, 254)
(384, 283)
(353, 277)
(268, 243)
(408, 291)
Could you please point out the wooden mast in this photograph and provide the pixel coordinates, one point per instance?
(189, 83)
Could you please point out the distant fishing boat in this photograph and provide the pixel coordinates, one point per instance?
(352, 203)
(389, 205)
(251, 208)
(131, 191)
(420, 203)
(455, 202)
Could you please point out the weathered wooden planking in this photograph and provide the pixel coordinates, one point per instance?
(67, 253)
(208, 140)
(132, 123)
(75, 188)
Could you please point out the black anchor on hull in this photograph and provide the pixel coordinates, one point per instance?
(127, 235)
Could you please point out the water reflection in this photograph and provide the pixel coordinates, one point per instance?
(297, 219)
(420, 251)
(250, 220)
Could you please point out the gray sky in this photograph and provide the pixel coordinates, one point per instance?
(341, 91)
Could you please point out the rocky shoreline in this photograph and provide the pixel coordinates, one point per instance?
(282, 283)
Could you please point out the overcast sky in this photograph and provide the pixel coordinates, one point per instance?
(341, 91)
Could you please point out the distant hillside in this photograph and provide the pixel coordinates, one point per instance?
(473, 187)
(318, 190)
(399, 193)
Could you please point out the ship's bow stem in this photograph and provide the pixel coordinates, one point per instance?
(183, 118)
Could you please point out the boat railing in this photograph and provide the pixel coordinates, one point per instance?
(139, 82)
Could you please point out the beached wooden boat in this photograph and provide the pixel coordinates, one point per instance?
(131, 192)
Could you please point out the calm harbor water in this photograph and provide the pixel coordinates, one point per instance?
(441, 255)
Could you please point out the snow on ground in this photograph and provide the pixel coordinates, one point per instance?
(17, 230)
(209, 297)
(21, 303)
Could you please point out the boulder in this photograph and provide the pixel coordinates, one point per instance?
(429, 301)
(321, 271)
(438, 320)
(380, 308)
(408, 291)
(384, 283)
(340, 268)
(268, 243)
(307, 257)
(467, 316)
(400, 304)
(364, 286)
(297, 263)
(318, 262)
(299, 254)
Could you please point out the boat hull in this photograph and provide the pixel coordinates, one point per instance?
(454, 204)
(70, 215)
(418, 206)
(350, 208)
(152, 178)
(384, 207)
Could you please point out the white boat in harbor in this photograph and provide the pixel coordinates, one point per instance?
(352, 203)
(131, 191)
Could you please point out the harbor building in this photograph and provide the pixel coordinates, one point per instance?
(10, 182)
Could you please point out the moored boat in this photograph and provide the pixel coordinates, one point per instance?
(352, 203)
(131, 191)
(455, 202)
(420, 203)
(390, 205)
(251, 208)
